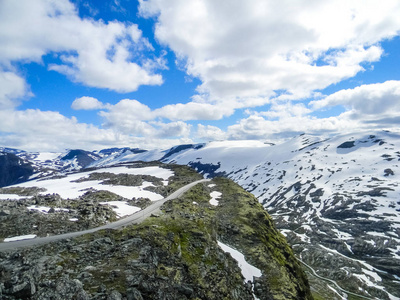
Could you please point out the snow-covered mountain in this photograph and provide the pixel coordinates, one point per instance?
(335, 198)
(43, 164)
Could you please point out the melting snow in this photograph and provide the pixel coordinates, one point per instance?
(45, 209)
(122, 208)
(12, 197)
(67, 188)
(248, 271)
(20, 238)
(214, 196)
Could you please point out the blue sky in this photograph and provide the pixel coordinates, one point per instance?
(156, 73)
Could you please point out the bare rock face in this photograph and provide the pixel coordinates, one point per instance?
(13, 169)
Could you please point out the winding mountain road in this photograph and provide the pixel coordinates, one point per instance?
(333, 282)
(135, 218)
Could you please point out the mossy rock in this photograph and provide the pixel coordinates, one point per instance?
(173, 256)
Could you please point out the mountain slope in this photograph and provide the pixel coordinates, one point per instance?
(180, 254)
(336, 200)
(13, 169)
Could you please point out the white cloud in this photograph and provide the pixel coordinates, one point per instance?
(246, 49)
(132, 117)
(35, 130)
(127, 110)
(194, 111)
(257, 127)
(210, 133)
(91, 52)
(87, 103)
(172, 129)
(12, 89)
(368, 99)
(285, 110)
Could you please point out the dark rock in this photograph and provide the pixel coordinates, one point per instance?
(388, 172)
(133, 294)
(346, 145)
(13, 169)
(114, 295)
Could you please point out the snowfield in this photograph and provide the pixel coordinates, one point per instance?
(68, 188)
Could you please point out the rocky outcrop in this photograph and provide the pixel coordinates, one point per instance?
(13, 169)
(171, 256)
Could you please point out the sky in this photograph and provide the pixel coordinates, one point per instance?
(158, 73)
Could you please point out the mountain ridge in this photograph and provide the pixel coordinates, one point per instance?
(334, 197)
(188, 251)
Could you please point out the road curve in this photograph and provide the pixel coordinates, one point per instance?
(135, 218)
(333, 282)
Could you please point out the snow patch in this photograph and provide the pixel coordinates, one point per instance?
(214, 196)
(248, 271)
(68, 188)
(12, 197)
(121, 208)
(20, 238)
(45, 209)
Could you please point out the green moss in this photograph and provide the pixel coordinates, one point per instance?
(22, 191)
(179, 248)
(246, 225)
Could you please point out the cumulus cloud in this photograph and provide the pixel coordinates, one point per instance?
(210, 133)
(133, 117)
(12, 89)
(87, 103)
(285, 110)
(246, 49)
(257, 127)
(94, 53)
(172, 129)
(47, 130)
(368, 99)
(127, 110)
(194, 111)
(50, 131)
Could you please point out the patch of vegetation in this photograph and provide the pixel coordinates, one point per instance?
(22, 191)
(120, 179)
(245, 225)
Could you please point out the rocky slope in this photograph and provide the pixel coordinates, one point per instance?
(336, 200)
(180, 254)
